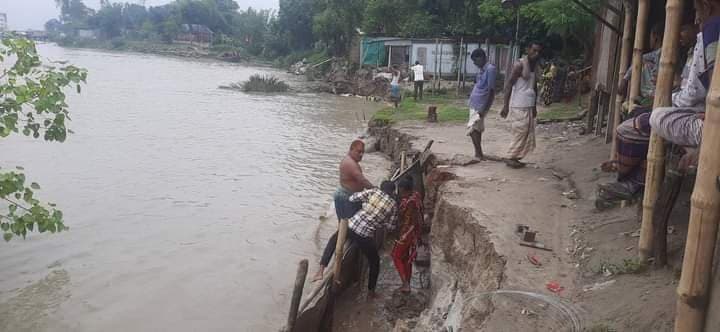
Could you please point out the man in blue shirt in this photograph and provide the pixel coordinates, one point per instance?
(481, 99)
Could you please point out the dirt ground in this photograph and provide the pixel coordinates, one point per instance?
(592, 256)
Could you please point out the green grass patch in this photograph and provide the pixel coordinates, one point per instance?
(449, 110)
(628, 266)
(559, 111)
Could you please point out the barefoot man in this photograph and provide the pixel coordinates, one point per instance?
(352, 181)
(481, 99)
(520, 106)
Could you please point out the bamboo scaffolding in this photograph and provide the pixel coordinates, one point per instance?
(626, 48)
(704, 217)
(656, 150)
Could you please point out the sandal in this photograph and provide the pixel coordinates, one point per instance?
(617, 191)
(513, 163)
(610, 166)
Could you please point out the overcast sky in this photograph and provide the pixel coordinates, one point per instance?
(32, 14)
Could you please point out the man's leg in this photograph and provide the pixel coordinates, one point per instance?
(476, 138)
(416, 86)
(368, 248)
(421, 83)
(681, 126)
(523, 141)
(325, 259)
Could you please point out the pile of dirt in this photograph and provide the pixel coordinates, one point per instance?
(483, 280)
(344, 78)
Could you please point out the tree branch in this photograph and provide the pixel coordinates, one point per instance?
(16, 204)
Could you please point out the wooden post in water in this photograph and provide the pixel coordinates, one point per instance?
(694, 283)
(656, 150)
(624, 62)
(340, 248)
(297, 294)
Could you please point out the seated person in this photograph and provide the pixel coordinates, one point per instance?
(682, 123)
(649, 71)
(633, 135)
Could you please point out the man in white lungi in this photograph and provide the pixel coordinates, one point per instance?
(520, 106)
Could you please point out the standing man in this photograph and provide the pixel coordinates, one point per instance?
(352, 181)
(481, 99)
(521, 106)
(378, 210)
(418, 78)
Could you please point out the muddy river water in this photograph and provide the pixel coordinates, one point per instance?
(188, 206)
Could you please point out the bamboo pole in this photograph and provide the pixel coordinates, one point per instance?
(322, 285)
(297, 294)
(645, 242)
(402, 161)
(625, 50)
(457, 67)
(704, 217)
(656, 150)
(340, 248)
(641, 29)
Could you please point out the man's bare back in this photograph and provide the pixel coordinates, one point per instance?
(351, 175)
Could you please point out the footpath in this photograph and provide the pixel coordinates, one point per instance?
(481, 278)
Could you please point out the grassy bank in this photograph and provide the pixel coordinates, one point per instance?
(449, 109)
(559, 111)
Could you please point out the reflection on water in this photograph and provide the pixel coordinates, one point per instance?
(189, 206)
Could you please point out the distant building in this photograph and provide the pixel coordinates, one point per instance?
(3, 22)
(436, 55)
(194, 33)
(86, 33)
(36, 35)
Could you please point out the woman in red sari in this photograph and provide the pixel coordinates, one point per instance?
(411, 215)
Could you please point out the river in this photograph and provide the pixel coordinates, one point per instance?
(188, 206)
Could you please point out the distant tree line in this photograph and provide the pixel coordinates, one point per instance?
(330, 25)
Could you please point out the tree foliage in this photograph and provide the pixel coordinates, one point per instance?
(331, 25)
(32, 103)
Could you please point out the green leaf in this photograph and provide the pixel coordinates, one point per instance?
(7, 236)
(20, 168)
(12, 208)
(35, 186)
(77, 87)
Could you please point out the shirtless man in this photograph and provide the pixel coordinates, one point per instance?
(352, 181)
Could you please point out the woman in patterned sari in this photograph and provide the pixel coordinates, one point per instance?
(411, 216)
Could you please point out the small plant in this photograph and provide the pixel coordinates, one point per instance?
(262, 83)
(628, 266)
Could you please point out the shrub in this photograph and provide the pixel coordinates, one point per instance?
(264, 83)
